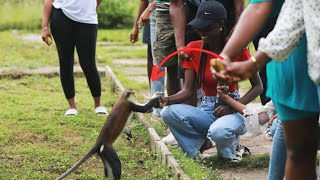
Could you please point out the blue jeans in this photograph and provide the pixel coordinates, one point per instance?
(191, 127)
(157, 85)
(274, 126)
(278, 155)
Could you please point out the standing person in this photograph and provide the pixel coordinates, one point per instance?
(146, 18)
(194, 126)
(298, 107)
(74, 25)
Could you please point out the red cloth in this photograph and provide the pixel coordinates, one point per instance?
(209, 85)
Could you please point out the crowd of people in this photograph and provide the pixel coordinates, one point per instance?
(202, 106)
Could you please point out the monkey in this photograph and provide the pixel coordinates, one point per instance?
(111, 129)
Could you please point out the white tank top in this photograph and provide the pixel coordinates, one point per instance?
(83, 11)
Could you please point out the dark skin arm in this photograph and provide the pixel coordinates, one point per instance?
(186, 93)
(135, 30)
(249, 25)
(178, 19)
(47, 8)
(256, 90)
(238, 8)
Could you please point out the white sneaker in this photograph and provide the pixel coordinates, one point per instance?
(170, 139)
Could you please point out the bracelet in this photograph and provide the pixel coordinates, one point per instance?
(254, 60)
(45, 28)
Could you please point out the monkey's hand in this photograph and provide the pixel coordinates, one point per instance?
(163, 101)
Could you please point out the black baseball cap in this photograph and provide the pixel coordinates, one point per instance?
(209, 13)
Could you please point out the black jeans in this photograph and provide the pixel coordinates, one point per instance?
(67, 35)
(262, 73)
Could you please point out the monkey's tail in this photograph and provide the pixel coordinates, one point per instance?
(145, 107)
(76, 165)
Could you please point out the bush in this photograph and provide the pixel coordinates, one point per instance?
(115, 14)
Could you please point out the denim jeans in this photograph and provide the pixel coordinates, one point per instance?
(191, 127)
(157, 85)
(278, 155)
(273, 126)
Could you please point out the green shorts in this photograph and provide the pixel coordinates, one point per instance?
(165, 41)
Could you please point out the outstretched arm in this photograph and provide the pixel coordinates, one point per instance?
(249, 25)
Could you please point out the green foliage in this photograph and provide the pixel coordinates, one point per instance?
(20, 14)
(115, 14)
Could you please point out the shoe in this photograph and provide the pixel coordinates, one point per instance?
(203, 156)
(239, 153)
(155, 118)
(101, 110)
(170, 139)
(71, 112)
(268, 135)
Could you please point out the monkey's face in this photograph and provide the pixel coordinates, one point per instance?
(129, 94)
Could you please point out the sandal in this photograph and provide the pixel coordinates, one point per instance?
(101, 110)
(239, 153)
(71, 112)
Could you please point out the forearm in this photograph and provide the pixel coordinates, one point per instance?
(178, 19)
(237, 106)
(47, 8)
(142, 7)
(255, 90)
(249, 25)
(238, 8)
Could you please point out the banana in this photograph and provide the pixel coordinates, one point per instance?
(217, 64)
(49, 41)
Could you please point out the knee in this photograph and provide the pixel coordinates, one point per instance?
(219, 133)
(165, 113)
(301, 155)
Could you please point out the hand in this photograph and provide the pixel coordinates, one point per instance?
(134, 35)
(46, 36)
(222, 111)
(144, 18)
(183, 56)
(236, 71)
(222, 91)
(163, 101)
(272, 119)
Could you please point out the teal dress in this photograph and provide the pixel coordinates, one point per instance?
(290, 88)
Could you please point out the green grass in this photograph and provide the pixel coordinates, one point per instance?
(38, 142)
(20, 15)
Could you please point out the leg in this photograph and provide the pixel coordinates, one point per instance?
(113, 160)
(301, 140)
(149, 64)
(189, 126)
(278, 155)
(157, 85)
(62, 31)
(105, 165)
(85, 38)
(173, 82)
(225, 131)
